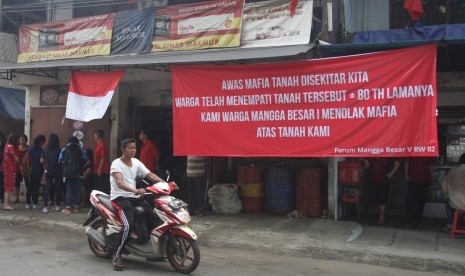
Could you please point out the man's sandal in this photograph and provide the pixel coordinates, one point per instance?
(117, 264)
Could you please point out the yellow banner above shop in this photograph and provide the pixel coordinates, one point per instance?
(75, 38)
(212, 24)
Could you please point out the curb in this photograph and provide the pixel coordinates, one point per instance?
(301, 247)
(304, 247)
(42, 222)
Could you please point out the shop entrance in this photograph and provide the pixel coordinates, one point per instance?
(47, 120)
(159, 124)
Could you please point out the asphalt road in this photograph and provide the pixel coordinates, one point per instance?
(29, 250)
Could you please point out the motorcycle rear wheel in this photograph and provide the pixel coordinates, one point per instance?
(98, 250)
(183, 254)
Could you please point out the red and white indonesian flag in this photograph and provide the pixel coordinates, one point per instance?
(90, 94)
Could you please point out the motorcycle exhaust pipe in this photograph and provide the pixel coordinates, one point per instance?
(95, 236)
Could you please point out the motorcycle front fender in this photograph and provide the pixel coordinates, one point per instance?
(184, 231)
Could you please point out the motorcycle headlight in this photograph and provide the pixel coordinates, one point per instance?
(179, 208)
(177, 204)
(183, 215)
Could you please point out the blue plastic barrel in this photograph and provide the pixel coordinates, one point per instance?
(279, 191)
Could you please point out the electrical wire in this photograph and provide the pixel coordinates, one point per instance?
(66, 6)
(71, 3)
(82, 5)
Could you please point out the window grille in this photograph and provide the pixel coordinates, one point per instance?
(20, 12)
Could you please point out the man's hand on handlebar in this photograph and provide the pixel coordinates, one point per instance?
(176, 187)
(140, 191)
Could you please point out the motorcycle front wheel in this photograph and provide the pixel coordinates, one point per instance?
(98, 250)
(183, 254)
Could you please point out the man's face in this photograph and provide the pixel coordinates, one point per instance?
(95, 136)
(130, 150)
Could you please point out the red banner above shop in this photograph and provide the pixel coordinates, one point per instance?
(379, 104)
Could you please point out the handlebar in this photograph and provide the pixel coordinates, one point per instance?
(172, 187)
(174, 184)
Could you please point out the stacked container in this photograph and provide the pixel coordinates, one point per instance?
(311, 191)
(279, 190)
(350, 180)
(250, 181)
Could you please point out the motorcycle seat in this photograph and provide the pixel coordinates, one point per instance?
(105, 200)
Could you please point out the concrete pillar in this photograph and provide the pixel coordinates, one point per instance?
(113, 147)
(27, 112)
(333, 189)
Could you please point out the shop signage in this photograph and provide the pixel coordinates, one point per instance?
(132, 32)
(211, 24)
(378, 104)
(78, 125)
(74, 38)
(51, 95)
(271, 24)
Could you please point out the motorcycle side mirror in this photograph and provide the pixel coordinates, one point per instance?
(140, 179)
(167, 172)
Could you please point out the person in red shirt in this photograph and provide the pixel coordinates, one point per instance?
(2, 148)
(381, 172)
(148, 152)
(22, 149)
(9, 166)
(101, 163)
(418, 173)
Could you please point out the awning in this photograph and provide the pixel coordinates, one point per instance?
(452, 34)
(210, 55)
(12, 102)
(450, 38)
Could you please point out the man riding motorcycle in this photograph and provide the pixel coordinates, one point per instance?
(124, 194)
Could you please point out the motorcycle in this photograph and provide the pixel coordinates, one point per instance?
(159, 232)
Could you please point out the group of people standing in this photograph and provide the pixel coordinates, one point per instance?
(417, 172)
(21, 162)
(72, 167)
(418, 175)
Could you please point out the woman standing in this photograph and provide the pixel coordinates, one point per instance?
(37, 169)
(9, 165)
(381, 172)
(21, 152)
(2, 148)
(53, 175)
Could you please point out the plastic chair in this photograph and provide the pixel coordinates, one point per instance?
(456, 228)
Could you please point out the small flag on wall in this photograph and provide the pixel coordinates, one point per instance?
(293, 7)
(415, 8)
(90, 94)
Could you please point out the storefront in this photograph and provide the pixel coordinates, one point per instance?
(145, 97)
(450, 112)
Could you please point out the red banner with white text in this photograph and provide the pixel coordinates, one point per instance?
(378, 104)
